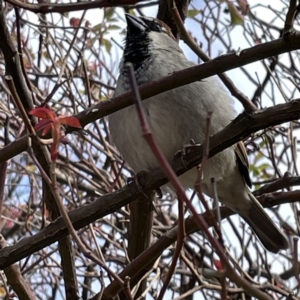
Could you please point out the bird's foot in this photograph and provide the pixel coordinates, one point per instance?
(139, 181)
(184, 150)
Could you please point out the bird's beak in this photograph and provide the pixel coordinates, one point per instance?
(135, 25)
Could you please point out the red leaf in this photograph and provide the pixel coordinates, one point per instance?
(218, 264)
(44, 113)
(70, 121)
(42, 124)
(50, 122)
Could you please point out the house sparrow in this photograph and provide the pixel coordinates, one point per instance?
(179, 115)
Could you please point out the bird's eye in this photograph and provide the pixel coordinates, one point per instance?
(155, 26)
(152, 24)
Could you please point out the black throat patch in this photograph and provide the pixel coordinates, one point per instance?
(137, 49)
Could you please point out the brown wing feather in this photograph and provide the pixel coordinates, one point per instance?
(243, 163)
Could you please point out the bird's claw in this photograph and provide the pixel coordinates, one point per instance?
(159, 193)
(138, 180)
(184, 150)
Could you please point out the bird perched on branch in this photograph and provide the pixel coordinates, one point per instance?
(179, 115)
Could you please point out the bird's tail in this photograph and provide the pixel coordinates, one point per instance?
(272, 238)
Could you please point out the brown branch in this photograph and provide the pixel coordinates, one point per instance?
(240, 128)
(277, 198)
(140, 229)
(13, 66)
(215, 66)
(16, 147)
(290, 16)
(186, 76)
(46, 8)
(15, 278)
(68, 267)
(16, 81)
(282, 183)
(92, 153)
(165, 15)
(98, 209)
(151, 254)
(3, 171)
(287, 274)
(261, 86)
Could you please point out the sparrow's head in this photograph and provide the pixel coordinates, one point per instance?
(144, 36)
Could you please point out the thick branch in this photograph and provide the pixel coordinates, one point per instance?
(240, 128)
(16, 81)
(215, 66)
(220, 64)
(13, 64)
(15, 279)
(46, 8)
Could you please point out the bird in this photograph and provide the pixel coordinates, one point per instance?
(178, 116)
